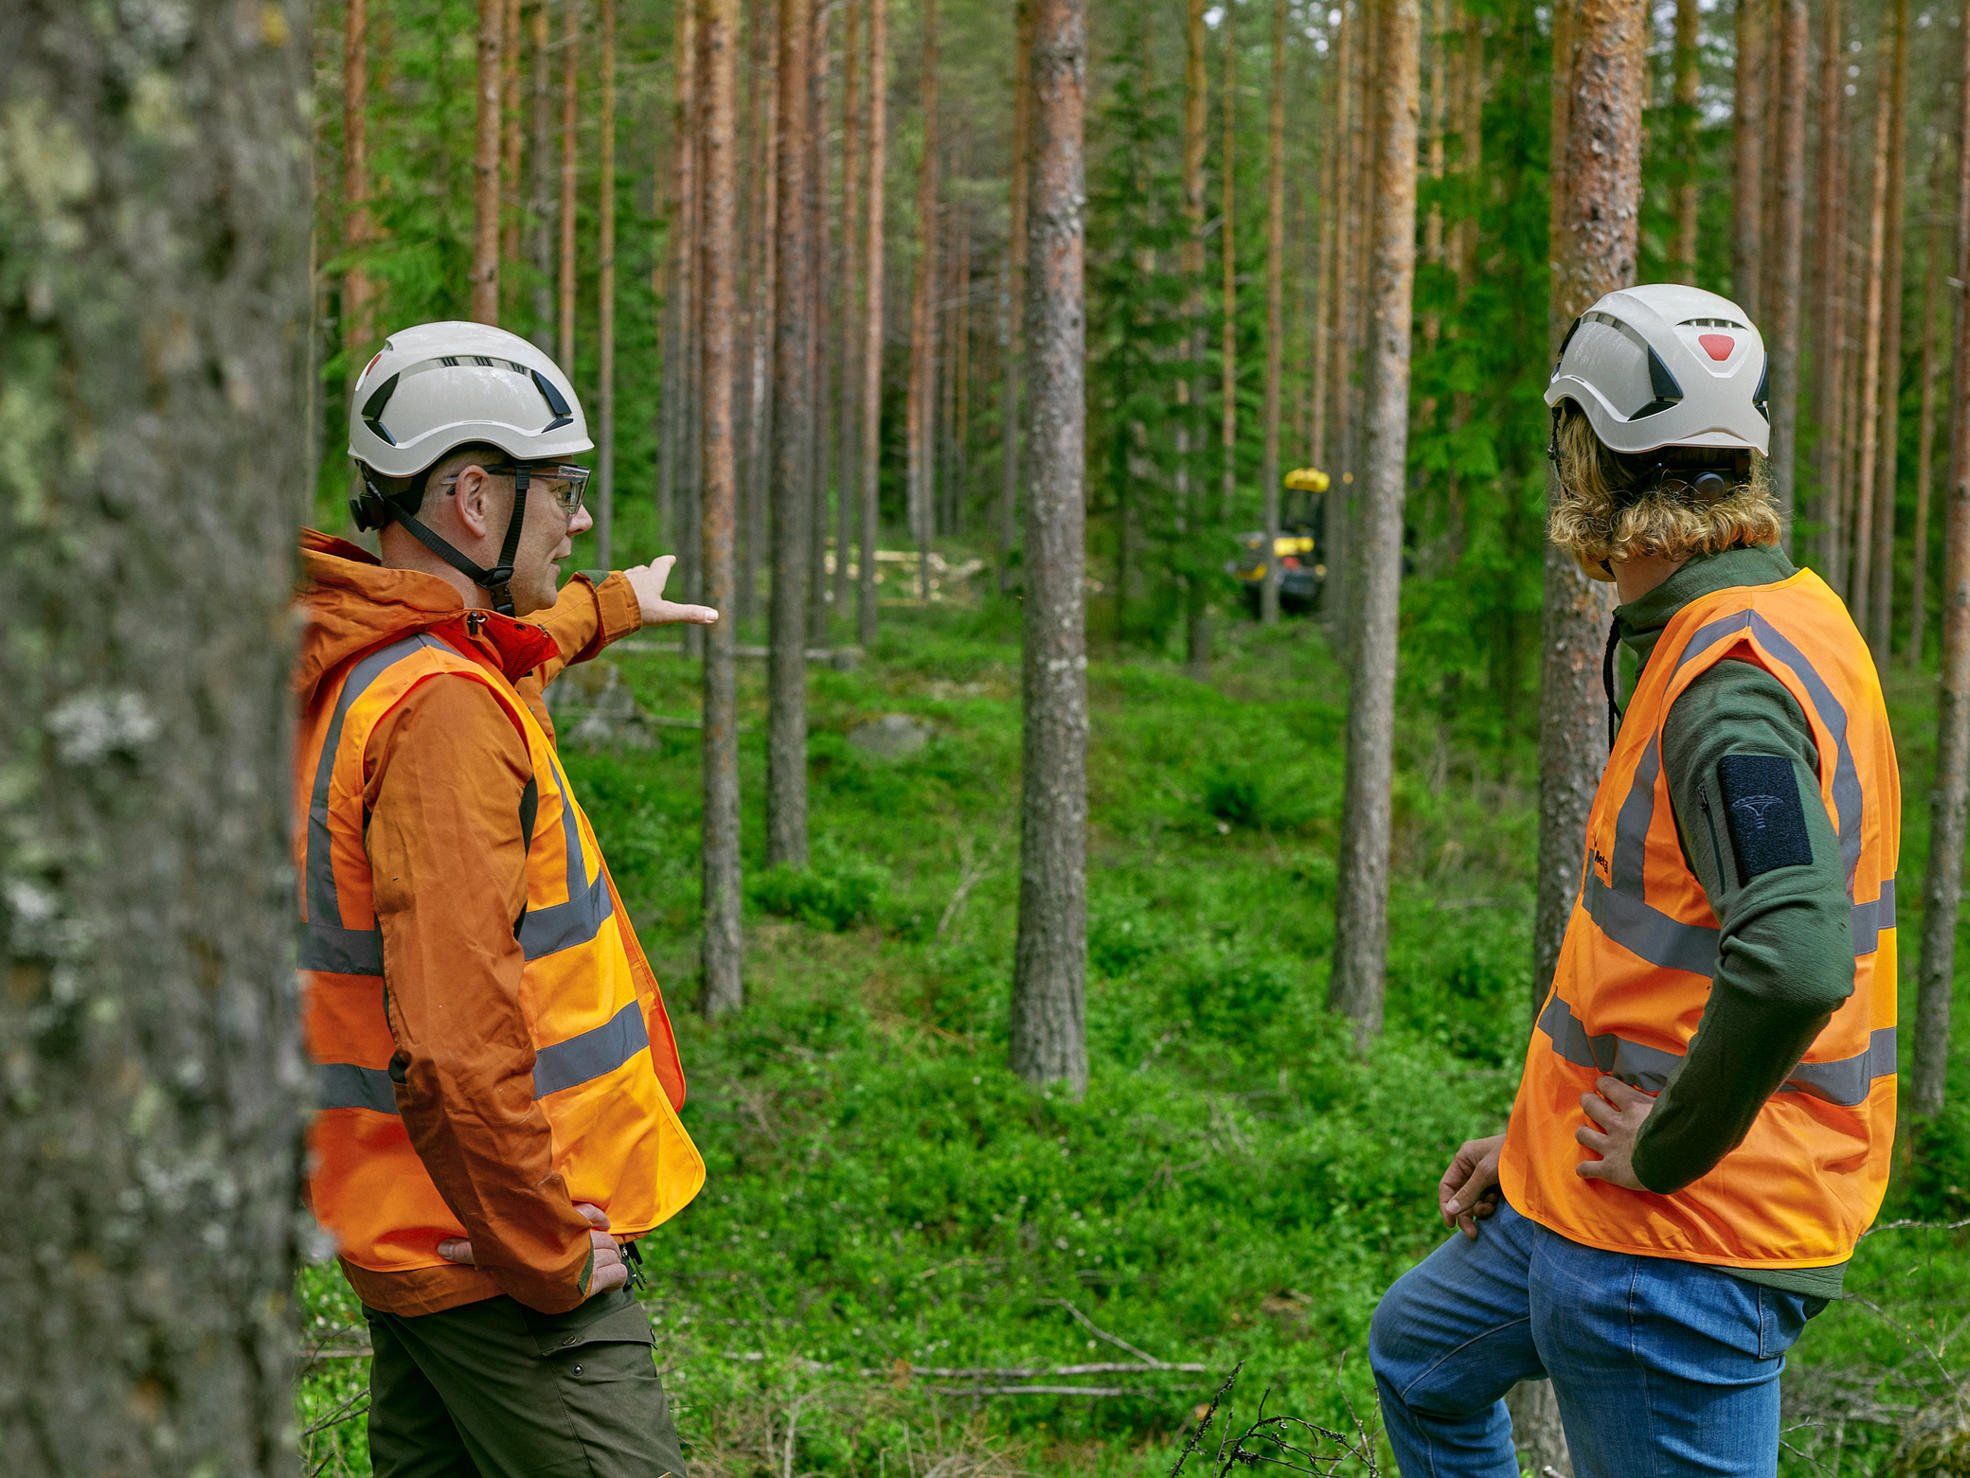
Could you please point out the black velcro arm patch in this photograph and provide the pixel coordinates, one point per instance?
(1762, 808)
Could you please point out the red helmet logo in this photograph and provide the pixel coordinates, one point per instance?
(1717, 346)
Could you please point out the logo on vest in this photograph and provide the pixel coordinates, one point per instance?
(1755, 806)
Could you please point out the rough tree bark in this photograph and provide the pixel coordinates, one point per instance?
(718, 41)
(1048, 1034)
(1682, 253)
(358, 293)
(1949, 805)
(793, 413)
(1275, 303)
(1860, 595)
(1022, 126)
(1782, 314)
(1598, 164)
(1361, 894)
(1747, 154)
(564, 315)
(875, 255)
(923, 322)
(156, 242)
(1918, 595)
(1879, 614)
(1190, 394)
(485, 165)
(605, 298)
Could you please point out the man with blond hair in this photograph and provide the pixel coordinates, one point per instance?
(1703, 1125)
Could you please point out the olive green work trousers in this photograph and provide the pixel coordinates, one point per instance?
(496, 1390)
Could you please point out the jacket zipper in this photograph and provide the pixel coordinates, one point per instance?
(1710, 822)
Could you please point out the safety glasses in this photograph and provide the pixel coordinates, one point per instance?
(564, 482)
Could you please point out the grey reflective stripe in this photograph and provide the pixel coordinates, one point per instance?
(1646, 932)
(1847, 1081)
(1844, 1082)
(546, 931)
(1620, 907)
(341, 1085)
(323, 939)
(341, 951)
(591, 1055)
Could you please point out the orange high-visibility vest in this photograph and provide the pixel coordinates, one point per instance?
(1641, 948)
(606, 1073)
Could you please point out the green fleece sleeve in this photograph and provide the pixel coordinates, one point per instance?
(1785, 958)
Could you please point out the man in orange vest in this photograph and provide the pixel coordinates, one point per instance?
(497, 1081)
(1703, 1125)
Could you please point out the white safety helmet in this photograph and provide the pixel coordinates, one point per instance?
(1663, 365)
(443, 385)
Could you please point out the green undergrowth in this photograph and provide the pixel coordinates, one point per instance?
(895, 1232)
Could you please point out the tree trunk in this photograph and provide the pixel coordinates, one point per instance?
(786, 742)
(153, 313)
(1880, 611)
(1361, 895)
(605, 293)
(1275, 305)
(1682, 254)
(1341, 196)
(1022, 129)
(1861, 599)
(820, 422)
(1783, 311)
(1048, 1040)
(1464, 239)
(1597, 160)
(485, 166)
(1829, 275)
(1942, 886)
(1748, 149)
(718, 40)
(674, 470)
(960, 368)
(512, 185)
(1190, 391)
(854, 271)
(358, 293)
(1228, 280)
(540, 186)
(755, 497)
(923, 322)
(1329, 236)
(1918, 596)
(875, 255)
(565, 309)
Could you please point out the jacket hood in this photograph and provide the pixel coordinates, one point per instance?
(352, 603)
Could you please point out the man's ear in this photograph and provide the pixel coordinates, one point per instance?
(471, 495)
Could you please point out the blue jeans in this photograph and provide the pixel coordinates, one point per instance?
(1662, 1369)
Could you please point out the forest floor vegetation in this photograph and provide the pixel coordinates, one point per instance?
(907, 1262)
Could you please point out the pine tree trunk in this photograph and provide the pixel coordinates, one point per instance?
(605, 441)
(1191, 523)
(1228, 282)
(1748, 149)
(1464, 238)
(960, 368)
(820, 422)
(512, 183)
(1682, 255)
(1340, 196)
(1861, 599)
(1880, 611)
(674, 470)
(1009, 417)
(848, 483)
(786, 742)
(1942, 885)
(718, 40)
(1597, 160)
(358, 293)
(570, 95)
(1361, 895)
(1048, 1039)
(1275, 304)
(875, 256)
(756, 496)
(540, 185)
(153, 315)
(485, 166)
(923, 321)
(1918, 596)
(1329, 236)
(1829, 277)
(1782, 313)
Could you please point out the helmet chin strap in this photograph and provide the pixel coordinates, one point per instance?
(497, 582)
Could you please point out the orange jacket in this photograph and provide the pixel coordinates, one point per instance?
(516, 1058)
(1635, 968)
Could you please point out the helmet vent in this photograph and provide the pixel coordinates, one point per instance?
(1668, 392)
(556, 401)
(373, 410)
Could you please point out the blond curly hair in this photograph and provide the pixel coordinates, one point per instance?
(1601, 516)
